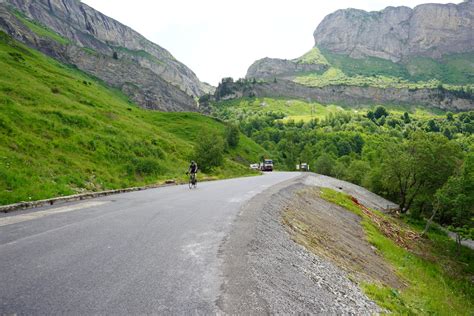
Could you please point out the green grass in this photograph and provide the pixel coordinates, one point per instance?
(40, 29)
(314, 56)
(452, 69)
(438, 280)
(63, 132)
(365, 67)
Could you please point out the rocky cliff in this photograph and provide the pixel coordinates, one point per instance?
(105, 48)
(395, 33)
(346, 95)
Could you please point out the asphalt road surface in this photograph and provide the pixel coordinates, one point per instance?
(154, 251)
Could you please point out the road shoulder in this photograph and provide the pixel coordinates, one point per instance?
(264, 271)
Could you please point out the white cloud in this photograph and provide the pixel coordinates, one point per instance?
(219, 38)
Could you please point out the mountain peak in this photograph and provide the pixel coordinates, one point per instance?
(431, 30)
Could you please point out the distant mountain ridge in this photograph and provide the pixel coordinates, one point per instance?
(105, 48)
(421, 56)
(421, 41)
(395, 33)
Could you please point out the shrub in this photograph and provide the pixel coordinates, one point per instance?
(379, 112)
(232, 135)
(209, 151)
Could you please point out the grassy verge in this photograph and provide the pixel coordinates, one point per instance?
(63, 132)
(438, 281)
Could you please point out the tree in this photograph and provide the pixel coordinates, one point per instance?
(357, 171)
(324, 164)
(358, 143)
(457, 197)
(433, 126)
(343, 148)
(379, 112)
(115, 55)
(209, 151)
(447, 132)
(418, 166)
(371, 115)
(406, 118)
(449, 116)
(455, 203)
(232, 135)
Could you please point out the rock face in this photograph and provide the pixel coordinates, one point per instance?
(269, 68)
(395, 33)
(346, 95)
(107, 49)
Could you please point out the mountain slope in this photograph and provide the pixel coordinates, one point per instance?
(63, 132)
(75, 33)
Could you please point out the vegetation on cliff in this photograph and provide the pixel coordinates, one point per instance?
(454, 71)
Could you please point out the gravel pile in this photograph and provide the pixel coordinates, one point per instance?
(266, 272)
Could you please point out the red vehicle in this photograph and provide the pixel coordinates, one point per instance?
(267, 165)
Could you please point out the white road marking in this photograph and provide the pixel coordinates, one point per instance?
(35, 215)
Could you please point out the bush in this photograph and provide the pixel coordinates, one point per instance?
(232, 135)
(379, 112)
(209, 151)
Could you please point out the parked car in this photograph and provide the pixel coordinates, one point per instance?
(302, 167)
(255, 166)
(267, 165)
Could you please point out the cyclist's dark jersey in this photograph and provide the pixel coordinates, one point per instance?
(193, 168)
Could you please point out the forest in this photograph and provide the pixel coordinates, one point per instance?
(422, 161)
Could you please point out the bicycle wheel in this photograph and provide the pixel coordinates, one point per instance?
(190, 183)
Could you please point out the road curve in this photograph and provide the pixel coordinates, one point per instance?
(153, 251)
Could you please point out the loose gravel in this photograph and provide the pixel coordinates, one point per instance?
(364, 196)
(266, 272)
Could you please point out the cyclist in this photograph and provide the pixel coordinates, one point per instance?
(193, 169)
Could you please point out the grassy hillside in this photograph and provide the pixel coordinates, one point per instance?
(436, 275)
(453, 71)
(63, 132)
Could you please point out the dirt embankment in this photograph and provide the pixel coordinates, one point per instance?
(336, 234)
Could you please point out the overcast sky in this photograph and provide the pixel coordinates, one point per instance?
(219, 39)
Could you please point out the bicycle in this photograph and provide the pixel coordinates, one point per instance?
(192, 181)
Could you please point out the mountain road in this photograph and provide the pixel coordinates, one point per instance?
(153, 251)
